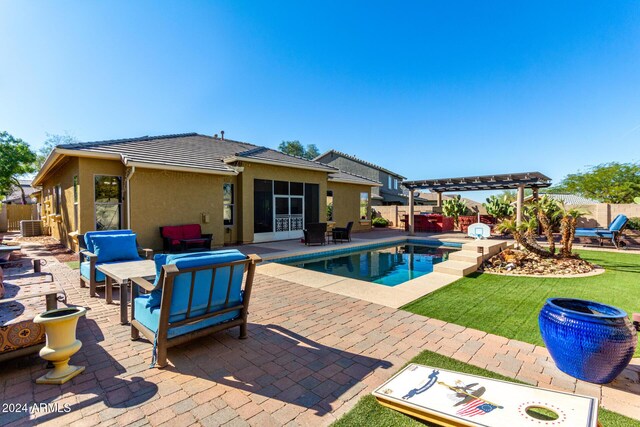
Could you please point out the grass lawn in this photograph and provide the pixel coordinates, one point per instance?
(74, 265)
(508, 306)
(368, 412)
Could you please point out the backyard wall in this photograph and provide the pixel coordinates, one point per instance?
(601, 214)
(394, 214)
(346, 205)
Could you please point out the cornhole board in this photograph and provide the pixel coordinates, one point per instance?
(454, 399)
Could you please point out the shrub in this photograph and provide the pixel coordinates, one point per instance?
(634, 224)
(380, 222)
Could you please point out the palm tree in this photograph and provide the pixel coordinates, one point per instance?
(549, 213)
(524, 234)
(568, 228)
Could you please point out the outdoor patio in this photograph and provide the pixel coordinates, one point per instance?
(309, 357)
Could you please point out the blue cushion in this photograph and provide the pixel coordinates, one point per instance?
(115, 247)
(182, 282)
(164, 259)
(89, 234)
(150, 317)
(618, 223)
(84, 271)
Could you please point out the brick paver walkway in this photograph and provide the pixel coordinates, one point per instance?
(309, 357)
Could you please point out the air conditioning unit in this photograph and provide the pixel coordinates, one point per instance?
(30, 228)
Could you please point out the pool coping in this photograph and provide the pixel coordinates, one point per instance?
(390, 296)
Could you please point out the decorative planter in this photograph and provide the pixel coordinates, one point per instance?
(60, 327)
(588, 340)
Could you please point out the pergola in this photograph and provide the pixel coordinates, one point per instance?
(509, 181)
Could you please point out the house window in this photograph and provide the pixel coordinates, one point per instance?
(57, 196)
(364, 205)
(330, 205)
(108, 202)
(395, 184)
(75, 202)
(227, 201)
(389, 186)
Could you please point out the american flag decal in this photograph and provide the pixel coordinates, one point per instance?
(475, 407)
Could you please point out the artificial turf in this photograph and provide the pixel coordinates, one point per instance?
(509, 305)
(368, 412)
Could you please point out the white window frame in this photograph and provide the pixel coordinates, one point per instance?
(389, 183)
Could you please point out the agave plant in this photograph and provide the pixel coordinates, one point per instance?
(454, 208)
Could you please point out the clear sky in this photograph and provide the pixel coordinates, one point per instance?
(427, 89)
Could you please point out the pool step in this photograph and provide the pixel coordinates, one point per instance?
(456, 268)
(487, 247)
(466, 256)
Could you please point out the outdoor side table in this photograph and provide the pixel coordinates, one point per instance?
(120, 274)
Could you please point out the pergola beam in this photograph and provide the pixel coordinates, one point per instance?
(487, 182)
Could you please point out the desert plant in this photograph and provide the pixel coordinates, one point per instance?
(568, 223)
(379, 222)
(524, 234)
(455, 208)
(549, 214)
(634, 223)
(499, 207)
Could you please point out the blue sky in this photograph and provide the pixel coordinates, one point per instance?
(423, 88)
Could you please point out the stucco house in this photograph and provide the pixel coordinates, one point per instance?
(239, 192)
(389, 193)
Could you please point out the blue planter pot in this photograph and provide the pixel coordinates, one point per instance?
(588, 340)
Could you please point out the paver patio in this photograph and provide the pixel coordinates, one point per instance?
(310, 356)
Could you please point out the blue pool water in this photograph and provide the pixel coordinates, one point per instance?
(387, 265)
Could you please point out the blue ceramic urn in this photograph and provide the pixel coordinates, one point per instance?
(588, 340)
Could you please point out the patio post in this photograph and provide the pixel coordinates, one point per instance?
(519, 203)
(439, 200)
(411, 210)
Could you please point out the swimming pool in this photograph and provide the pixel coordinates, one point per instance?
(388, 265)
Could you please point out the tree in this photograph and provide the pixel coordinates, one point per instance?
(295, 148)
(50, 143)
(607, 183)
(16, 159)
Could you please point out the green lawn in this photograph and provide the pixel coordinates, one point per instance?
(508, 306)
(368, 412)
(74, 265)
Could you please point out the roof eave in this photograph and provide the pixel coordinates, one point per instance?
(326, 169)
(346, 181)
(161, 166)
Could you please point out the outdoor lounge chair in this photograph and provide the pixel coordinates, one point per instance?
(342, 234)
(315, 233)
(117, 250)
(614, 232)
(193, 295)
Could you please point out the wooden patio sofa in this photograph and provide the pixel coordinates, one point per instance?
(194, 294)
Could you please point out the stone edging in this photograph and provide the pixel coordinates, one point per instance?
(595, 272)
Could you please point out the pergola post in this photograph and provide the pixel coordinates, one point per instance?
(439, 200)
(411, 217)
(519, 204)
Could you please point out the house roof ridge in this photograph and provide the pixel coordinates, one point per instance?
(119, 141)
(358, 159)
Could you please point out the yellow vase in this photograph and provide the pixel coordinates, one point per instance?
(60, 327)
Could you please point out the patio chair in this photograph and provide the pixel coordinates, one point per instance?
(315, 233)
(614, 232)
(342, 234)
(118, 246)
(193, 295)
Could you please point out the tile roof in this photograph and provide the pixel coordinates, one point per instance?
(190, 150)
(342, 176)
(569, 199)
(359, 160)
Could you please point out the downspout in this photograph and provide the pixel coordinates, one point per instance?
(133, 170)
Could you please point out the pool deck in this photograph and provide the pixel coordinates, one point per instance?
(310, 356)
(390, 296)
